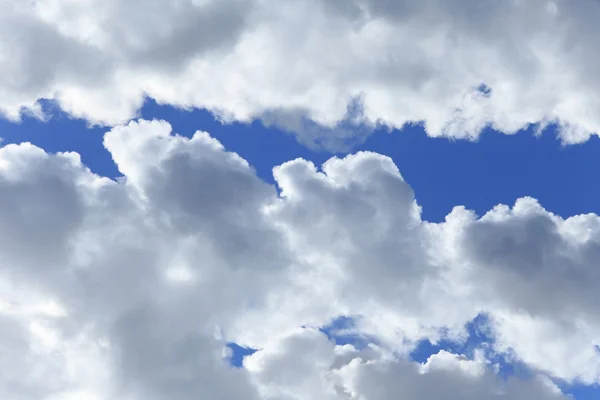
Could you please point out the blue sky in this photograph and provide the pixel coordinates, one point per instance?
(496, 168)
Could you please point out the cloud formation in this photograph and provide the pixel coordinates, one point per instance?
(315, 67)
(130, 289)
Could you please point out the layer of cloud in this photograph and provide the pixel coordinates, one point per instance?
(307, 65)
(130, 289)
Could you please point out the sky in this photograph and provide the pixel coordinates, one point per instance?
(318, 199)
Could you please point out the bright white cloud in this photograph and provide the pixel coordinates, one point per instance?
(128, 289)
(284, 62)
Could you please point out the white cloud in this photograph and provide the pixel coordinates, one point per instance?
(305, 365)
(287, 61)
(90, 309)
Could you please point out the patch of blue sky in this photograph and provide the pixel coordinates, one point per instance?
(443, 173)
(238, 353)
(581, 392)
(479, 338)
(343, 331)
(59, 134)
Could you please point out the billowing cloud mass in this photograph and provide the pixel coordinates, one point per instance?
(131, 289)
(314, 67)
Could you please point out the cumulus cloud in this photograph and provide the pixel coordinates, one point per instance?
(131, 288)
(305, 365)
(314, 67)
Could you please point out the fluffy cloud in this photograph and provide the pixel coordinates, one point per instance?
(314, 67)
(130, 289)
(305, 365)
